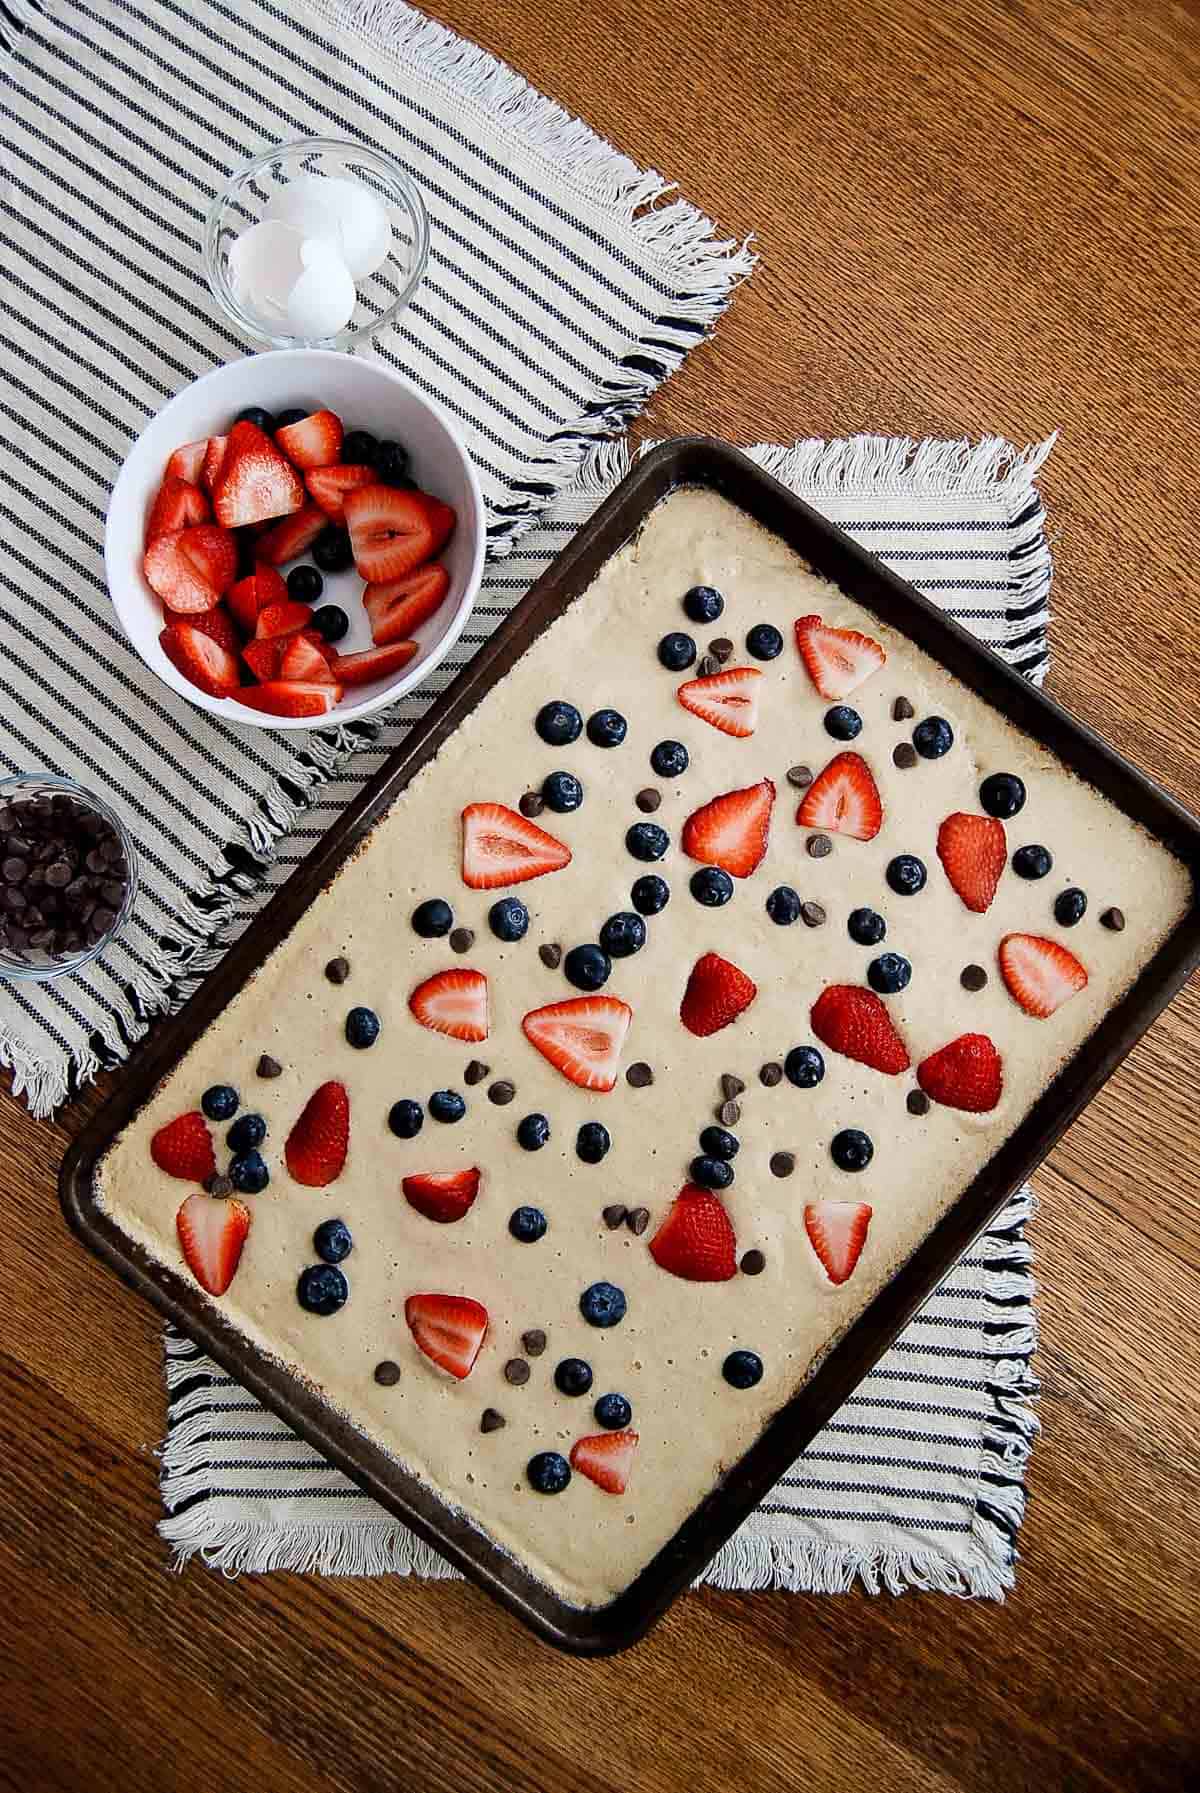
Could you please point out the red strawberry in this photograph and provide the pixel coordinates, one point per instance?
(215, 450)
(213, 552)
(302, 660)
(316, 441)
(279, 698)
(178, 505)
(375, 663)
(264, 657)
(391, 531)
(317, 1145)
(965, 1074)
(843, 799)
(255, 481)
(453, 1002)
(294, 536)
(729, 699)
(500, 846)
(696, 1240)
(838, 660)
(731, 831)
(441, 1195)
(854, 1022)
(582, 1037)
(262, 587)
(449, 1329)
(398, 608)
(212, 1232)
(191, 569)
(605, 1458)
(973, 850)
(200, 659)
(215, 623)
(837, 1232)
(327, 487)
(281, 619)
(187, 462)
(716, 994)
(1040, 974)
(184, 1148)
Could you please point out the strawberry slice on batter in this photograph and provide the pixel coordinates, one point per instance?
(838, 661)
(729, 699)
(974, 850)
(184, 1148)
(696, 1240)
(732, 830)
(212, 1232)
(843, 799)
(448, 1329)
(967, 1073)
(606, 1458)
(717, 992)
(442, 1195)
(581, 1037)
(837, 1232)
(317, 1145)
(501, 846)
(1039, 974)
(453, 1002)
(854, 1022)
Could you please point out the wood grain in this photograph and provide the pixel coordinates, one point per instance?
(973, 215)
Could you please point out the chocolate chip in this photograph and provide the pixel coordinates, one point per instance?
(101, 920)
(112, 891)
(532, 804)
(462, 940)
(337, 970)
(902, 710)
(770, 1075)
(1113, 920)
(14, 870)
(731, 1086)
(534, 1341)
(491, 1421)
(96, 861)
(973, 977)
(516, 1371)
(648, 800)
(614, 1215)
(729, 1114)
(904, 756)
(637, 1220)
(475, 1072)
(551, 955)
(269, 1067)
(217, 1184)
(819, 846)
(918, 1102)
(753, 1263)
(708, 665)
(387, 1373)
(639, 1076)
(812, 915)
(502, 1093)
(782, 1164)
(721, 649)
(59, 875)
(41, 938)
(800, 777)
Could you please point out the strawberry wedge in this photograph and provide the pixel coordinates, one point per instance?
(191, 569)
(328, 486)
(202, 660)
(837, 1232)
(374, 663)
(316, 441)
(448, 1329)
(838, 661)
(582, 1038)
(717, 992)
(398, 608)
(317, 1145)
(453, 1002)
(177, 505)
(696, 1240)
(257, 591)
(843, 799)
(291, 537)
(729, 699)
(278, 698)
(255, 483)
(732, 830)
(442, 1195)
(501, 846)
(605, 1458)
(392, 530)
(212, 1233)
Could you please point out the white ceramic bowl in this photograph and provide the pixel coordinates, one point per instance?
(365, 396)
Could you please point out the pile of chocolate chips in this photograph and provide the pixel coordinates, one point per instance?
(63, 875)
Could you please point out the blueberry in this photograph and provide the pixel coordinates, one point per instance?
(623, 935)
(548, 1472)
(933, 737)
(508, 918)
(359, 448)
(362, 1028)
(587, 967)
(527, 1225)
(851, 1149)
(906, 874)
(1002, 795)
(742, 1369)
(592, 1142)
(711, 886)
(247, 1132)
(606, 728)
(322, 1289)
(804, 1066)
(650, 895)
(332, 551)
(447, 1105)
(764, 642)
(562, 792)
(866, 927)
(710, 1173)
(262, 420)
(292, 415)
(843, 723)
(558, 723)
(305, 585)
(249, 1173)
(889, 974)
(219, 1102)
(330, 622)
(647, 841)
(533, 1130)
(719, 1142)
(573, 1376)
(391, 463)
(1069, 906)
(676, 651)
(613, 1412)
(703, 603)
(783, 905)
(1032, 862)
(603, 1304)
(332, 1241)
(432, 918)
(406, 1119)
(669, 759)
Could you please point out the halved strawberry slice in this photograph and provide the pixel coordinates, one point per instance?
(398, 608)
(453, 1002)
(187, 462)
(605, 1458)
(281, 619)
(184, 1148)
(843, 799)
(303, 660)
(259, 589)
(965, 1074)
(732, 830)
(1039, 974)
(838, 660)
(212, 1233)
(191, 569)
(327, 487)
(316, 441)
(292, 537)
(215, 450)
(390, 531)
(374, 663)
(582, 1037)
(974, 850)
(265, 657)
(716, 994)
(501, 846)
(854, 1022)
(279, 698)
(729, 699)
(837, 1232)
(213, 552)
(317, 1145)
(216, 623)
(449, 1329)
(696, 1240)
(441, 1195)
(200, 659)
(255, 481)
(177, 505)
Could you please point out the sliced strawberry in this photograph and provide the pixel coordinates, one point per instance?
(501, 846)
(1040, 974)
(316, 441)
(854, 1022)
(440, 517)
(605, 1458)
(732, 830)
(187, 462)
(281, 619)
(215, 450)
(184, 1148)
(837, 1232)
(177, 505)
(200, 659)
(265, 657)
(292, 537)
(965, 1074)
(375, 663)
(453, 1002)
(302, 660)
(215, 623)
(696, 1240)
(449, 1329)
(390, 531)
(327, 487)
(441, 1195)
(398, 608)
(716, 994)
(974, 850)
(838, 660)
(255, 482)
(190, 569)
(262, 587)
(729, 699)
(212, 1233)
(213, 552)
(279, 698)
(843, 799)
(582, 1037)
(317, 1145)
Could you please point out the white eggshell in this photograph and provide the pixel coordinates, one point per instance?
(322, 300)
(264, 266)
(309, 204)
(365, 227)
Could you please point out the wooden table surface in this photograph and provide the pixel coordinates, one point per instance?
(973, 215)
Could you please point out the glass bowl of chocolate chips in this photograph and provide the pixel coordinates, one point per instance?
(68, 876)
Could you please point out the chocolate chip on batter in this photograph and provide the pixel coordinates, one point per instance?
(753, 1263)
(729, 1114)
(387, 1373)
(639, 1076)
(648, 800)
(770, 1075)
(502, 1093)
(217, 1184)
(973, 977)
(614, 1215)
(819, 846)
(337, 970)
(731, 1086)
(902, 710)
(551, 955)
(269, 1067)
(532, 804)
(475, 1072)
(516, 1371)
(904, 756)
(637, 1220)
(782, 1164)
(918, 1102)
(721, 649)
(1113, 920)
(491, 1421)
(800, 777)
(812, 915)
(462, 940)
(534, 1341)
(708, 665)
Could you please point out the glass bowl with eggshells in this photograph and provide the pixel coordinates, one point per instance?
(318, 243)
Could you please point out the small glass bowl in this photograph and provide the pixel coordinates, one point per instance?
(34, 964)
(382, 296)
